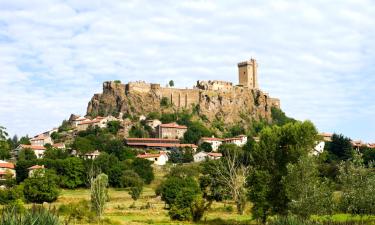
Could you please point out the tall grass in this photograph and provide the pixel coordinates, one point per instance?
(37, 215)
(292, 220)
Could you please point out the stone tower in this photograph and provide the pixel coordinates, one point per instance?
(248, 74)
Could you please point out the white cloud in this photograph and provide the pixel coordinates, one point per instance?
(316, 56)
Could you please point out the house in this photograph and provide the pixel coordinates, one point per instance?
(327, 137)
(157, 143)
(171, 130)
(38, 150)
(59, 145)
(202, 156)
(92, 155)
(319, 148)
(6, 169)
(214, 142)
(41, 140)
(239, 140)
(97, 121)
(78, 120)
(34, 168)
(159, 159)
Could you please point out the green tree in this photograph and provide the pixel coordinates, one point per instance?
(41, 187)
(171, 83)
(25, 140)
(164, 102)
(340, 148)
(99, 193)
(357, 186)
(136, 188)
(307, 192)
(172, 186)
(113, 126)
(195, 131)
(168, 117)
(83, 145)
(369, 155)
(72, 172)
(279, 118)
(26, 154)
(144, 169)
(4, 144)
(181, 155)
(55, 153)
(205, 147)
(278, 147)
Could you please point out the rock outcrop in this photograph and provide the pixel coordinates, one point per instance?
(213, 100)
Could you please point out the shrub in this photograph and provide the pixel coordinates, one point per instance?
(36, 215)
(143, 168)
(41, 187)
(77, 211)
(164, 102)
(99, 193)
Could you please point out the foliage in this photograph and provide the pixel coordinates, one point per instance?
(278, 147)
(26, 154)
(138, 131)
(65, 126)
(143, 168)
(168, 117)
(99, 193)
(130, 179)
(205, 147)
(114, 126)
(76, 211)
(55, 153)
(279, 118)
(368, 155)
(153, 115)
(11, 194)
(172, 186)
(83, 145)
(307, 192)
(34, 216)
(41, 187)
(357, 186)
(195, 131)
(164, 102)
(136, 189)
(71, 172)
(181, 155)
(235, 130)
(340, 148)
(171, 83)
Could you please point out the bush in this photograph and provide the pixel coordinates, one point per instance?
(164, 102)
(34, 216)
(41, 187)
(77, 211)
(143, 168)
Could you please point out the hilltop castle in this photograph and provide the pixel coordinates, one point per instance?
(214, 98)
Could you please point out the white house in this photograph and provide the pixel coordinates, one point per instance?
(92, 155)
(202, 156)
(6, 168)
(159, 159)
(38, 150)
(41, 139)
(239, 140)
(319, 148)
(214, 142)
(35, 168)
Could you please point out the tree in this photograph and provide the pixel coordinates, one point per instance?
(55, 153)
(83, 145)
(136, 188)
(143, 168)
(42, 187)
(171, 83)
(195, 131)
(4, 145)
(99, 193)
(181, 155)
(357, 186)
(231, 173)
(172, 186)
(164, 102)
(114, 126)
(72, 172)
(25, 140)
(307, 192)
(279, 118)
(278, 147)
(26, 154)
(340, 148)
(205, 147)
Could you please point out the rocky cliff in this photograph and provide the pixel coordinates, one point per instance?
(231, 104)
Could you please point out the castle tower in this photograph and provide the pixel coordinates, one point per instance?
(248, 74)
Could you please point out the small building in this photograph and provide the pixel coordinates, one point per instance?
(239, 140)
(34, 168)
(171, 130)
(97, 121)
(202, 156)
(159, 159)
(6, 169)
(92, 155)
(41, 140)
(319, 148)
(327, 137)
(59, 145)
(79, 120)
(38, 150)
(214, 142)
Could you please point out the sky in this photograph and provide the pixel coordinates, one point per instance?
(318, 56)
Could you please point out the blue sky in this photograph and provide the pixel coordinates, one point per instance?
(316, 56)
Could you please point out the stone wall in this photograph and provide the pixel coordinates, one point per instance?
(215, 85)
(138, 86)
(180, 97)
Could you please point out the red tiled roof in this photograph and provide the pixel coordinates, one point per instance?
(6, 165)
(211, 139)
(33, 147)
(146, 155)
(39, 137)
(153, 139)
(59, 145)
(36, 167)
(232, 139)
(165, 145)
(173, 125)
(215, 154)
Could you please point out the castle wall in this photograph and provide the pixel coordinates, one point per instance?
(180, 97)
(215, 85)
(138, 86)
